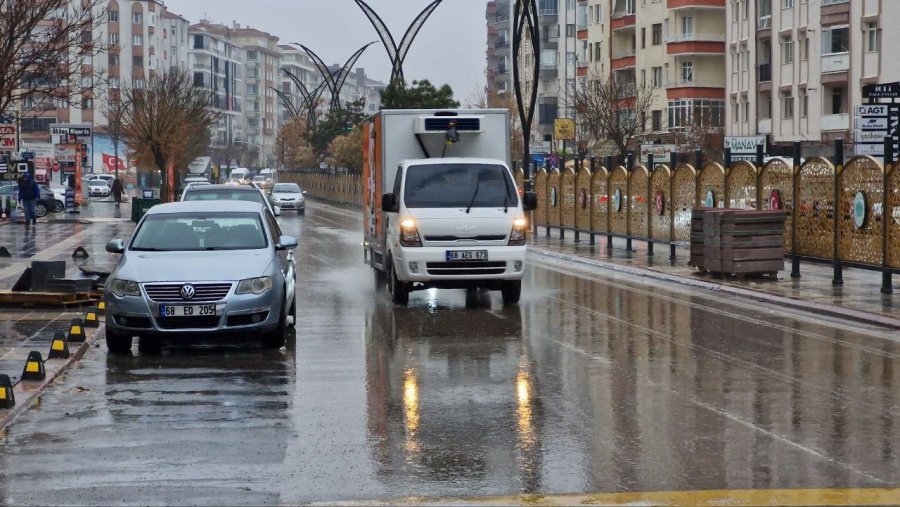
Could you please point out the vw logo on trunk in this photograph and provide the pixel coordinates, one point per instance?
(187, 292)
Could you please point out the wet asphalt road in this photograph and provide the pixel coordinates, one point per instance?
(594, 383)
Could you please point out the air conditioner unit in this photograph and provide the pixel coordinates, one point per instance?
(440, 124)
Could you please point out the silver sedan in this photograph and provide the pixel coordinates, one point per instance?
(201, 268)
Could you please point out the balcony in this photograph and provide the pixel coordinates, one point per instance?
(549, 11)
(764, 126)
(838, 62)
(696, 44)
(501, 18)
(695, 4)
(549, 68)
(622, 21)
(840, 121)
(681, 84)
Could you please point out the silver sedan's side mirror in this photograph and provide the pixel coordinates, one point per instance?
(115, 246)
(286, 243)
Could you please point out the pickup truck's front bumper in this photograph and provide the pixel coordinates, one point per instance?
(429, 264)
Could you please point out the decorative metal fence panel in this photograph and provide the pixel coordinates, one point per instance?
(776, 191)
(684, 193)
(661, 203)
(860, 205)
(741, 186)
(893, 215)
(638, 188)
(815, 203)
(618, 195)
(600, 200)
(583, 189)
(553, 210)
(711, 186)
(540, 189)
(567, 191)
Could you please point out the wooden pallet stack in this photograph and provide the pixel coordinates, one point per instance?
(697, 237)
(743, 242)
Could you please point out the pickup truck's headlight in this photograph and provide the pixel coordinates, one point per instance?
(254, 285)
(409, 235)
(517, 235)
(124, 288)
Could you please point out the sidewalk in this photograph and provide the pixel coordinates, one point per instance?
(859, 299)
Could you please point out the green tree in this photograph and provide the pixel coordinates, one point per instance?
(420, 95)
(345, 151)
(335, 123)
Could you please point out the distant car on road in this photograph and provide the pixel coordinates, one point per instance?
(194, 269)
(98, 188)
(106, 178)
(228, 193)
(289, 196)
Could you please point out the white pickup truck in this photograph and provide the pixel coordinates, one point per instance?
(441, 206)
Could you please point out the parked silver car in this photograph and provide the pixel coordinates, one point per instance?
(200, 268)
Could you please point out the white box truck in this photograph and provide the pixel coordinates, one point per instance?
(440, 206)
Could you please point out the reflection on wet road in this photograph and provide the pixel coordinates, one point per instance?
(594, 383)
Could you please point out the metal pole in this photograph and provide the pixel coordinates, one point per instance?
(673, 162)
(838, 161)
(650, 208)
(591, 194)
(629, 166)
(795, 258)
(609, 238)
(886, 282)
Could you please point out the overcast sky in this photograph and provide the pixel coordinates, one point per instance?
(450, 47)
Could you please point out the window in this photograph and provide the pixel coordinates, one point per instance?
(643, 37)
(137, 40)
(787, 106)
(252, 55)
(113, 59)
(837, 101)
(804, 49)
(873, 37)
(686, 113)
(570, 30)
(643, 78)
(687, 72)
(787, 49)
(656, 34)
(86, 103)
(657, 77)
(137, 83)
(656, 118)
(113, 38)
(788, 4)
(198, 42)
(137, 61)
(687, 25)
(597, 51)
(835, 40)
(804, 104)
(137, 18)
(113, 16)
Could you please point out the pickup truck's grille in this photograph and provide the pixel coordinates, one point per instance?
(466, 268)
(486, 237)
(203, 292)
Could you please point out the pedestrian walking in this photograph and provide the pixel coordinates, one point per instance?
(117, 191)
(29, 193)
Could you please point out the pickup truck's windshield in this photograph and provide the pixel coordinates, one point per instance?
(459, 186)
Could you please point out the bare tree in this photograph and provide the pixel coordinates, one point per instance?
(493, 99)
(703, 132)
(169, 123)
(44, 46)
(612, 110)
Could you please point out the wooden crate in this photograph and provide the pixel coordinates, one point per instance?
(744, 242)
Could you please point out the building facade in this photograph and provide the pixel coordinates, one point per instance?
(796, 68)
(261, 110)
(217, 65)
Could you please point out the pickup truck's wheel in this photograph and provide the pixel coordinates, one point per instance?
(117, 343)
(399, 290)
(512, 291)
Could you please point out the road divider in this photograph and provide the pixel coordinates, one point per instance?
(59, 347)
(76, 330)
(7, 397)
(34, 367)
(90, 319)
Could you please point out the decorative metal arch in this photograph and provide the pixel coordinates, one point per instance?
(310, 98)
(334, 83)
(397, 54)
(286, 101)
(525, 21)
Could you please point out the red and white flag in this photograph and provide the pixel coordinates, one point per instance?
(109, 163)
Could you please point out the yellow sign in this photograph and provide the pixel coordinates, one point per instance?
(564, 129)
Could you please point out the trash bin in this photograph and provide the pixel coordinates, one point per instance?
(140, 206)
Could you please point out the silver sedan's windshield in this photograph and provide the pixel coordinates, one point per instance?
(288, 188)
(200, 231)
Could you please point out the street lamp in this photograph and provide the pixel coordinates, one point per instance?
(262, 150)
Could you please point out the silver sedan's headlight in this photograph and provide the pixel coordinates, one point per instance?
(254, 285)
(124, 287)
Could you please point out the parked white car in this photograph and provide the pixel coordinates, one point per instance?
(98, 188)
(106, 178)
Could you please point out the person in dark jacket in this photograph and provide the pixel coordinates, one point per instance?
(29, 193)
(117, 191)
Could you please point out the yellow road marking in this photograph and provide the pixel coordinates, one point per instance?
(717, 498)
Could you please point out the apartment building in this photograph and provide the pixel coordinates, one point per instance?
(296, 62)
(675, 47)
(261, 108)
(796, 68)
(216, 65)
(499, 47)
(143, 38)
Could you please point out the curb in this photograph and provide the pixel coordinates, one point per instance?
(28, 392)
(795, 304)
